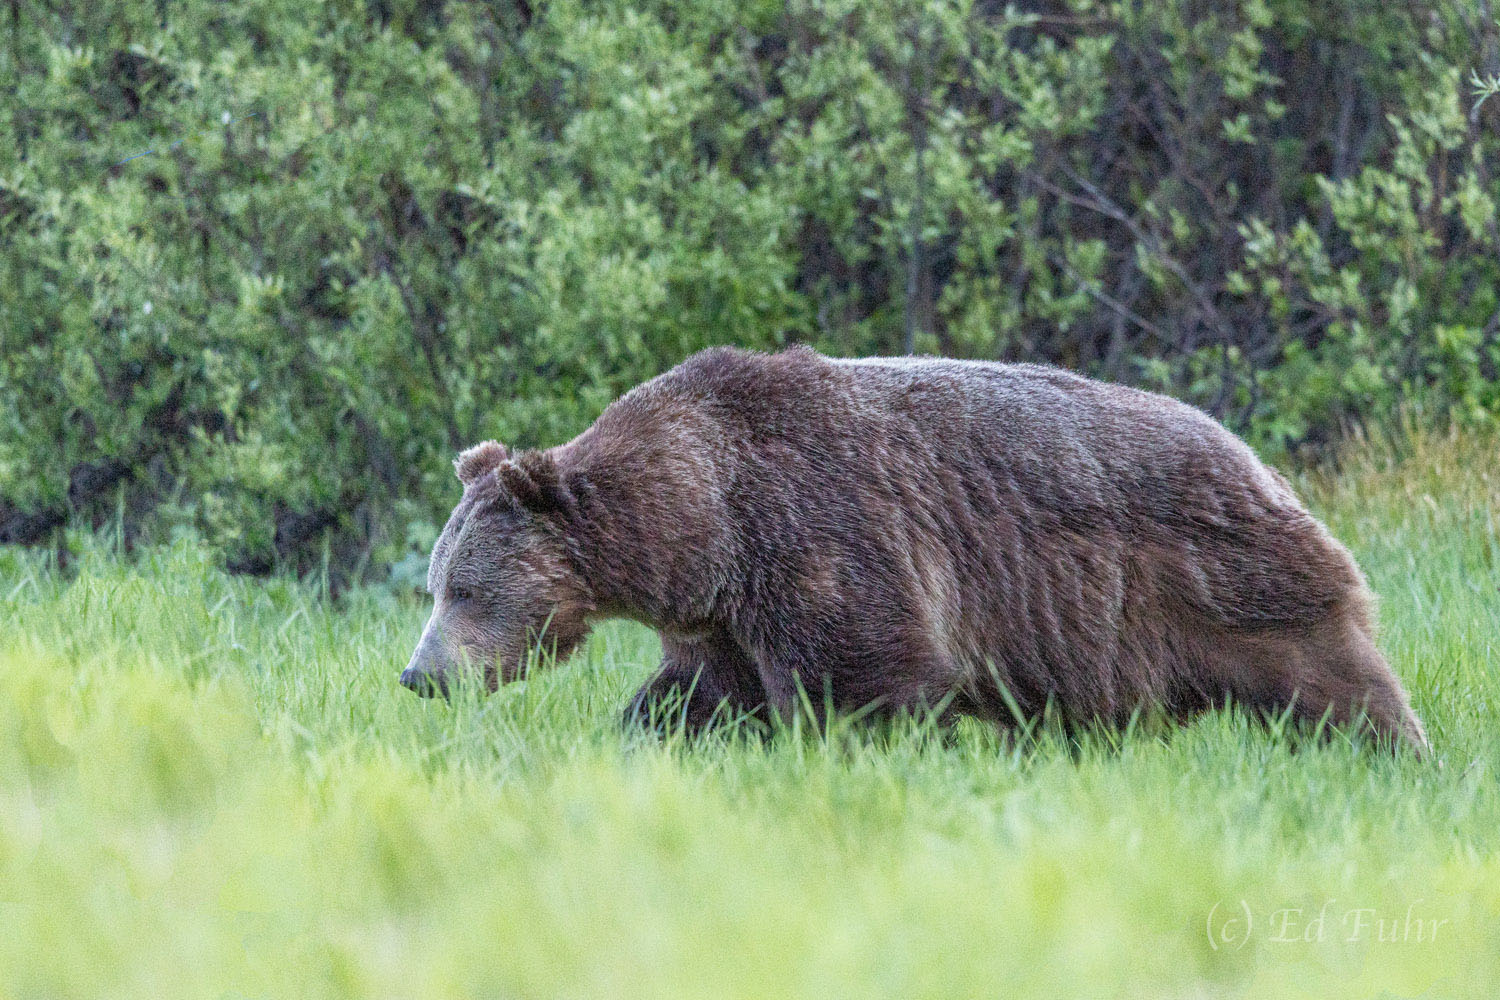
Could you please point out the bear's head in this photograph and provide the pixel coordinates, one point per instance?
(501, 580)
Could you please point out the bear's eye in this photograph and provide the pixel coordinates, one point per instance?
(460, 593)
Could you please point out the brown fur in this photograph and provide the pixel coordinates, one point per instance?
(910, 531)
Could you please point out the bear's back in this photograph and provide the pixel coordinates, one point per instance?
(1035, 453)
(1030, 415)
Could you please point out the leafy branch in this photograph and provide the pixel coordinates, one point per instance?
(1485, 87)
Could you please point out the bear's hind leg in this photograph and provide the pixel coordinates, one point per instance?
(1351, 676)
(1331, 669)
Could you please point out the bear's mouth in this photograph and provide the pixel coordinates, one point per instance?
(423, 683)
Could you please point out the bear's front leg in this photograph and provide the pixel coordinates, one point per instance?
(702, 682)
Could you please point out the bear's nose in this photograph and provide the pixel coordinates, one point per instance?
(423, 683)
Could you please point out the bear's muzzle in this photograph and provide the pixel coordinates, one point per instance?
(427, 671)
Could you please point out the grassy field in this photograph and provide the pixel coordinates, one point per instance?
(213, 787)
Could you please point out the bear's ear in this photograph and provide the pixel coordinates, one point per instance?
(534, 481)
(478, 460)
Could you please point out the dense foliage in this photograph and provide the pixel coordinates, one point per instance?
(369, 233)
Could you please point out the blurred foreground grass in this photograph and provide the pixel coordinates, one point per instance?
(213, 787)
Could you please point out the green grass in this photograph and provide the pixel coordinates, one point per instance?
(213, 787)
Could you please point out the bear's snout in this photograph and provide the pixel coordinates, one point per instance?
(427, 671)
(427, 685)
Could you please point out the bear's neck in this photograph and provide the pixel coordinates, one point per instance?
(648, 531)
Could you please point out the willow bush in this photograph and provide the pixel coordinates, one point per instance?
(266, 265)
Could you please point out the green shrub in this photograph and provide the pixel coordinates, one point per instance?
(369, 234)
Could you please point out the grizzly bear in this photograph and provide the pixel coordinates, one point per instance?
(910, 534)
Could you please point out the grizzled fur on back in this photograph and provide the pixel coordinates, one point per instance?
(918, 531)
